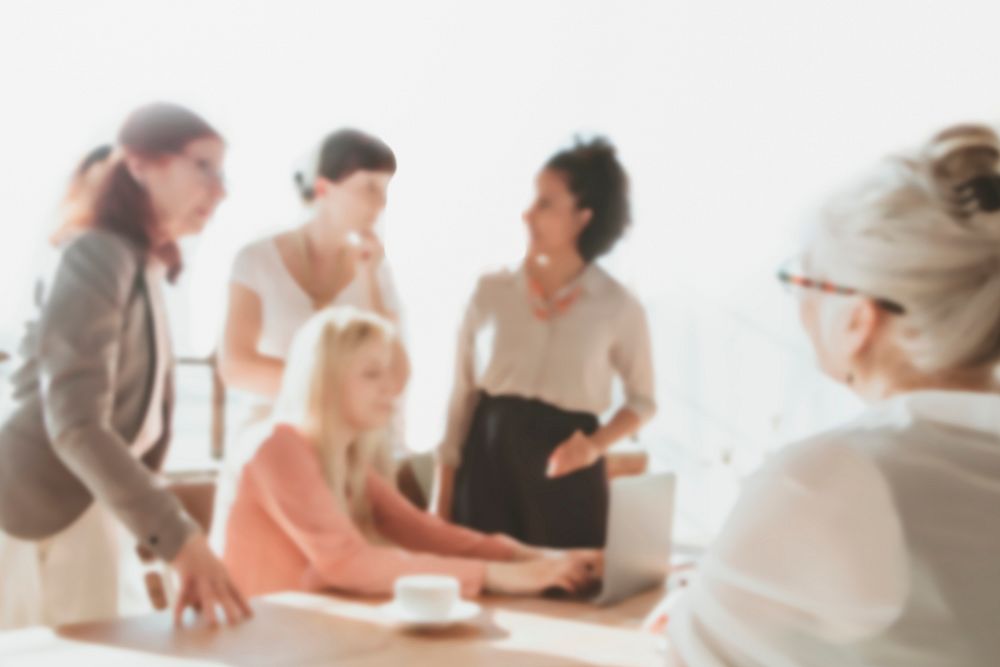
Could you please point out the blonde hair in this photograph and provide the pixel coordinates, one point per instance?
(923, 230)
(313, 377)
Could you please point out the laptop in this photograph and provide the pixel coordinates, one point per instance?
(640, 523)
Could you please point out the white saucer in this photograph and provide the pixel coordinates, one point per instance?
(463, 610)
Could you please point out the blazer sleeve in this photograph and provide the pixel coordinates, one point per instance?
(79, 334)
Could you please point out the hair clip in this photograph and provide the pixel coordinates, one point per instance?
(981, 193)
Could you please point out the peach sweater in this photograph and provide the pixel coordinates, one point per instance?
(286, 533)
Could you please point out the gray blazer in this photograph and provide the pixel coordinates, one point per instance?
(81, 397)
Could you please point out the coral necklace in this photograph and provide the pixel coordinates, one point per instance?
(545, 308)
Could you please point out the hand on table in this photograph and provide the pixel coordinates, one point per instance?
(205, 584)
(526, 552)
(570, 571)
(577, 452)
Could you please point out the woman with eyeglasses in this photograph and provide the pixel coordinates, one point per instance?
(523, 453)
(876, 543)
(91, 424)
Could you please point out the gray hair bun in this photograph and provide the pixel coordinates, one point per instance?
(963, 160)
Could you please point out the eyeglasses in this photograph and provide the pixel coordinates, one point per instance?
(791, 277)
(206, 170)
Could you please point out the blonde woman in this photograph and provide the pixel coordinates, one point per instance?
(314, 508)
(877, 543)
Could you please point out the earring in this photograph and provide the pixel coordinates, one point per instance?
(850, 378)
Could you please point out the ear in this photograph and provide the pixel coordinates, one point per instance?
(583, 217)
(865, 321)
(842, 330)
(321, 186)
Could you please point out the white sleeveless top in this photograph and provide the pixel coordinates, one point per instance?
(285, 306)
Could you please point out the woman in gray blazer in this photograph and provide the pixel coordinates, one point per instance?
(90, 426)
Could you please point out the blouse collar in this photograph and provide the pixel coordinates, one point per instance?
(974, 410)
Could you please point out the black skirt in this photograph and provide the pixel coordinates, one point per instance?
(501, 487)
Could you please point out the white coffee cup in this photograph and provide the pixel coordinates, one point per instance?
(427, 595)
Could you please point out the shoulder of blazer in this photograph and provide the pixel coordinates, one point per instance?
(104, 261)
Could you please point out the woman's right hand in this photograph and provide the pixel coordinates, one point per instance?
(570, 571)
(205, 584)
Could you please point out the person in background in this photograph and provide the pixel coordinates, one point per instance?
(76, 211)
(315, 508)
(91, 426)
(523, 449)
(876, 543)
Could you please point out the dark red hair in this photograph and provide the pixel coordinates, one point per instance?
(123, 205)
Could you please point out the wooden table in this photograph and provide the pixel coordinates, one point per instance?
(306, 629)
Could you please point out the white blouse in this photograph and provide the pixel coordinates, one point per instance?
(152, 425)
(874, 544)
(568, 360)
(285, 306)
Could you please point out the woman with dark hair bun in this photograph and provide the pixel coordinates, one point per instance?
(334, 258)
(279, 282)
(91, 420)
(523, 450)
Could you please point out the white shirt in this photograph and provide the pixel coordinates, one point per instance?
(568, 360)
(285, 306)
(874, 544)
(152, 424)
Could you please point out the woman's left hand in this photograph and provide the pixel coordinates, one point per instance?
(577, 452)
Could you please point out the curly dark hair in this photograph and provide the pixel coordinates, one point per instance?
(599, 183)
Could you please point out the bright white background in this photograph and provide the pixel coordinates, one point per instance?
(732, 117)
